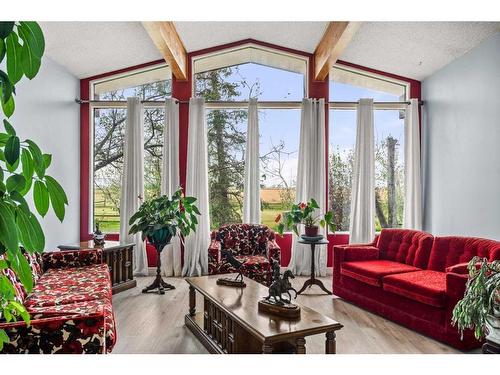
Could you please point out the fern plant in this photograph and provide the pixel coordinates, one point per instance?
(481, 297)
(23, 170)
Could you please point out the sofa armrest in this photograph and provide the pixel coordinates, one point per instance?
(61, 334)
(455, 289)
(72, 258)
(273, 252)
(214, 252)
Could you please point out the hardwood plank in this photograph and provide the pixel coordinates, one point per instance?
(150, 323)
(337, 36)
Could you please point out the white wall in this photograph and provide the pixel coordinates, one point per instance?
(47, 114)
(462, 145)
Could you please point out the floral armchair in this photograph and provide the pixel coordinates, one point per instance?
(252, 244)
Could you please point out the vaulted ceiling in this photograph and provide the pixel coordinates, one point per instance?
(411, 49)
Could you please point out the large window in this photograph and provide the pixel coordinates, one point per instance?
(109, 124)
(389, 147)
(237, 76)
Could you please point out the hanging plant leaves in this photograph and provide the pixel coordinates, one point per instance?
(47, 160)
(6, 28)
(8, 231)
(27, 163)
(29, 62)
(9, 106)
(2, 50)
(30, 231)
(12, 148)
(32, 35)
(15, 182)
(41, 197)
(37, 158)
(8, 127)
(14, 56)
(57, 197)
(21, 267)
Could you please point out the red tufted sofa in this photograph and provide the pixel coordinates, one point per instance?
(412, 278)
(252, 244)
(69, 306)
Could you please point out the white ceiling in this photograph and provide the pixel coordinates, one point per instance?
(411, 49)
(415, 49)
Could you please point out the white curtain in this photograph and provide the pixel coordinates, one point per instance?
(197, 243)
(413, 184)
(132, 191)
(171, 263)
(251, 191)
(362, 224)
(311, 181)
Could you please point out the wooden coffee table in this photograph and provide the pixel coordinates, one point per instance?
(231, 323)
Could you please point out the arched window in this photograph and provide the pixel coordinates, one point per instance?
(227, 79)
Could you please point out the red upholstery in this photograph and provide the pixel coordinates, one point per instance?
(421, 299)
(426, 286)
(70, 306)
(449, 251)
(405, 246)
(372, 271)
(253, 244)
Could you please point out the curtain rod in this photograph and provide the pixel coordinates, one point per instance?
(236, 103)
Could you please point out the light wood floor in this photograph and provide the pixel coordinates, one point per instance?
(150, 323)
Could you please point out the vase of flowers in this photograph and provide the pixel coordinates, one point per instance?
(159, 220)
(479, 310)
(308, 215)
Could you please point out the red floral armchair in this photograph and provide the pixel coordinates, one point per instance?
(70, 305)
(252, 244)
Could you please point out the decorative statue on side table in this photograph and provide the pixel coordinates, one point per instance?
(238, 280)
(159, 220)
(274, 303)
(98, 236)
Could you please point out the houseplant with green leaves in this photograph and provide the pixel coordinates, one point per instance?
(160, 219)
(306, 214)
(479, 310)
(23, 171)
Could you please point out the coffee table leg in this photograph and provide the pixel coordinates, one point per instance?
(300, 345)
(192, 301)
(267, 348)
(330, 344)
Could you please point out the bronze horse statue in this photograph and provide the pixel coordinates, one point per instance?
(280, 286)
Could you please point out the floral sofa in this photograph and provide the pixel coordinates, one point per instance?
(70, 305)
(412, 278)
(252, 244)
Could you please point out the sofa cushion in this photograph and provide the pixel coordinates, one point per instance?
(70, 285)
(405, 246)
(425, 286)
(452, 250)
(372, 271)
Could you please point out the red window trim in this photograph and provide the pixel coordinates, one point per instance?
(182, 91)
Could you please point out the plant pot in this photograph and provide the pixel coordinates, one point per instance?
(493, 328)
(311, 230)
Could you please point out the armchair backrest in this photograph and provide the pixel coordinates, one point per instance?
(451, 250)
(244, 239)
(405, 246)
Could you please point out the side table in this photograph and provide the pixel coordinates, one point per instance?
(119, 258)
(312, 280)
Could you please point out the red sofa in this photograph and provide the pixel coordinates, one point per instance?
(70, 305)
(412, 278)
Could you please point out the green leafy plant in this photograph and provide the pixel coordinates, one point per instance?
(306, 214)
(23, 169)
(162, 218)
(481, 297)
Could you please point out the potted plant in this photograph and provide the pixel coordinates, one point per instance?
(480, 308)
(305, 214)
(159, 220)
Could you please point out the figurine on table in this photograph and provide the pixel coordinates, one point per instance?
(228, 256)
(98, 236)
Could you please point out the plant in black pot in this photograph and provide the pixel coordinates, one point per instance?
(159, 220)
(480, 308)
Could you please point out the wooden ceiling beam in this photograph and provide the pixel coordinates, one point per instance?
(168, 42)
(337, 36)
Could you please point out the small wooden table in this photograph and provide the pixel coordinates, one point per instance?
(313, 280)
(231, 323)
(119, 258)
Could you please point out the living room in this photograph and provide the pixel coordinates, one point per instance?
(206, 184)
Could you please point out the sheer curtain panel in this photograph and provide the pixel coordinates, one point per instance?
(132, 192)
(170, 182)
(197, 243)
(413, 184)
(362, 224)
(311, 181)
(251, 192)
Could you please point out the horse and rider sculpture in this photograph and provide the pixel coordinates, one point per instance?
(281, 286)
